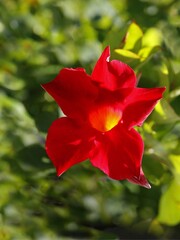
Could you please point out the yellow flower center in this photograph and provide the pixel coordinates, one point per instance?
(105, 118)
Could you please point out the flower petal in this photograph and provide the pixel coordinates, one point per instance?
(74, 92)
(118, 153)
(67, 144)
(141, 180)
(139, 104)
(112, 74)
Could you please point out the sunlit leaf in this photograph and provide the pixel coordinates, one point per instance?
(146, 52)
(175, 159)
(152, 38)
(169, 208)
(175, 93)
(133, 37)
(127, 54)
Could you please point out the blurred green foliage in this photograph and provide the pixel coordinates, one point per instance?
(37, 39)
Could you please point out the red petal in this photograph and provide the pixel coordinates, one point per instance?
(73, 91)
(67, 144)
(139, 104)
(113, 74)
(118, 153)
(140, 180)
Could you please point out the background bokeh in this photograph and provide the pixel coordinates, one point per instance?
(37, 39)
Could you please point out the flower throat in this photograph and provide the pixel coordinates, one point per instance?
(105, 118)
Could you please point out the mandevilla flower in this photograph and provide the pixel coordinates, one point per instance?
(101, 110)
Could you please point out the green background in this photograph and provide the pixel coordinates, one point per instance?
(37, 39)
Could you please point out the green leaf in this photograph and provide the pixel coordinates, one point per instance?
(133, 37)
(127, 54)
(153, 169)
(175, 159)
(147, 52)
(169, 208)
(37, 163)
(175, 93)
(164, 113)
(152, 38)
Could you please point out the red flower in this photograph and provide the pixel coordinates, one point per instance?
(101, 109)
